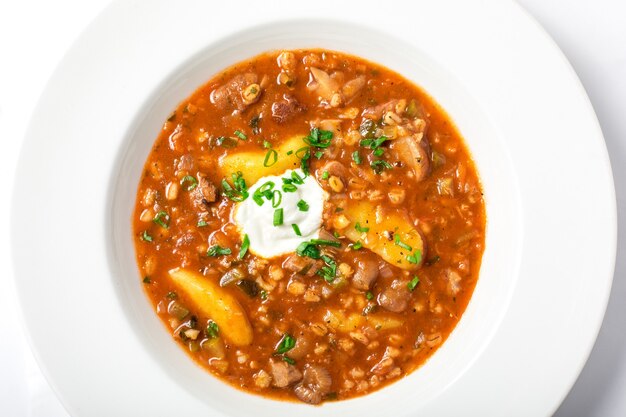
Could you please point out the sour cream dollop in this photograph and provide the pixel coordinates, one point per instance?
(267, 240)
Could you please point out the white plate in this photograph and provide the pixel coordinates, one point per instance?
(550, 200)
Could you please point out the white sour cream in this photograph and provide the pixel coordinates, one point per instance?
(267, 240)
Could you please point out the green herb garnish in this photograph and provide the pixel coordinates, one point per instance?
(212, 329)
(303, 205)
(415, 257)
(296, 230)
(289, 360)
(379, 165)
(202, 223)
(244, 246)
(329, 271)
(190, 182)
(356, 157)
(319, 138)
(286, 344)
(369, 295)
(278, 217)
(398, 242)
(145, 236)
(162, 219)
(270, 158)
(413, 283)
(360, 228)
(325, 175)
(217, 250)
(238, 191)
(357, 245)
(240, 135)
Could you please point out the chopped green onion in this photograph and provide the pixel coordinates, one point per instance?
(286, 344)
(415, 258)
(212, 329)
(379, 165)
(360, 228)
(217, 250)
(297, 179)
(413, 283)
(240, 135)
(319, 138)
(238, 191)
(162, 219)
(244, 246)
(369, 295)
(192, 183)
(289, 152)
(356, 157)
(266, 144)
(326, 242)
(329, 271)
(325, 175)
(270, 158)
(289, 188)
(278, 217)
(398, 242)
(277, 197)
(296, 229)
(357, 245)
(288, 360)
(202, 223)
(378, 152)
(308, 249)
(319, 154)
(303, 205)
(145, 236)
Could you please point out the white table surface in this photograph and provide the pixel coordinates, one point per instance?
(34, 35)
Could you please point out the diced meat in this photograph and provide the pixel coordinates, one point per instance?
(315, 384)
(186, 163)
(284, 374)
(396, 297)
(323, 84)
(204, 194)
(334, 168)
(454, 281)
(352, 87)
(302, 347)
(230, 95)
(414, 153)
(287, 108)
(302, 265)
(376, 112)
(366, 272)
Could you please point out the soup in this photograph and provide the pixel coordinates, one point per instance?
(309, 225)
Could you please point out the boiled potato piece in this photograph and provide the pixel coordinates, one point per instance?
(214, 302)
(338, 321)
(377, 238)
(251, 163)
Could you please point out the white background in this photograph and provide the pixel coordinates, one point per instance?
(34, 35)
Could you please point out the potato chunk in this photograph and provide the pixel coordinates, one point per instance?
(338, 321)
(214, 302)
(389, 237)
(252, 163)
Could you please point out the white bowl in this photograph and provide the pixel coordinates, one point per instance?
(92, 328)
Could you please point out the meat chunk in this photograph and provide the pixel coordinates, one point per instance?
(287, 108)
(233, 94)
(315, 384)
(366, 272)
(303, 346)
(204, 194)
(414, 153)
(302, 265)
(284, 374)
(454, 281)
(376, 112)
(335, 169)
(396, 297)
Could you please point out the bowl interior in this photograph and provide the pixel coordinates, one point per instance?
(500, 260)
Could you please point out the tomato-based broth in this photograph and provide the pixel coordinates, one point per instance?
(309, 225)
